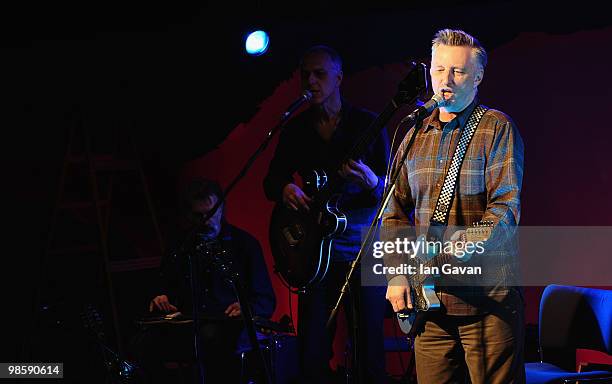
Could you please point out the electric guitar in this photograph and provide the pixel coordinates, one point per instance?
(422, 285)
(302, 242)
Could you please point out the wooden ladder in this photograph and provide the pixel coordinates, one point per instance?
(95, 187)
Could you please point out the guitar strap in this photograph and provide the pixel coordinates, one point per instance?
(439, 219)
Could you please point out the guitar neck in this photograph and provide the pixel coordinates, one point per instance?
(358, 150)
(361, 146)
(409, 89)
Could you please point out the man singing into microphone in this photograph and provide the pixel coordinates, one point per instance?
(478, 330)
(317, 139)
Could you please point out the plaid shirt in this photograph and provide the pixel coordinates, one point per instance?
(489, 186)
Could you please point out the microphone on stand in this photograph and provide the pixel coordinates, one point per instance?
(425, 110)
(306, 96)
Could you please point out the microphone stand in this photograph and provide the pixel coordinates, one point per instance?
(210, 255)
(247, 316)
(306, 96)
(366, 243)
(194, 272)
(217, 258)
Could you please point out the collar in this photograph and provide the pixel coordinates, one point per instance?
(433, 121)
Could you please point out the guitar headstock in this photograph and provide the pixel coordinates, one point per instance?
(413, 86)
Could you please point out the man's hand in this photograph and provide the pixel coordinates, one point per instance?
(398, 293)
(360, 173)
(233, 310)
(161, 303)
(295, 198)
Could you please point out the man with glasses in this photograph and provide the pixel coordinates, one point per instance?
(219, 309)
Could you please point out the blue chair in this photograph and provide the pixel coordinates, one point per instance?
(571, 318)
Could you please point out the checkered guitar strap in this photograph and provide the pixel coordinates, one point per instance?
(439, 219)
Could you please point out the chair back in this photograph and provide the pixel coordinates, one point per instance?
(574, 317)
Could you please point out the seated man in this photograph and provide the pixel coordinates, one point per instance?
(219, 309)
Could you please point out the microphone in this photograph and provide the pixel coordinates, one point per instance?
(306, 96)
(425, 110)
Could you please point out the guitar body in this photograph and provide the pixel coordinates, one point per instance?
(422, 293)
(424, 299)
(302, 241)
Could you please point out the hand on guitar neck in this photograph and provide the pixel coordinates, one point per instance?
(357, 171)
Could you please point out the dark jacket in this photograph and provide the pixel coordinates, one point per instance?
(245, 256)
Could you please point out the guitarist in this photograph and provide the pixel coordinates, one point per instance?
(317, 139)
(478, 331)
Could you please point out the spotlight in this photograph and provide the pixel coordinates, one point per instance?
(257, 43)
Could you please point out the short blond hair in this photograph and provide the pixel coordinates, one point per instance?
(459, 38)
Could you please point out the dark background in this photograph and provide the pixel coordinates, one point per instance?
(177, 78)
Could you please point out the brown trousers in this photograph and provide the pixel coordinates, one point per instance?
(485, 349)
